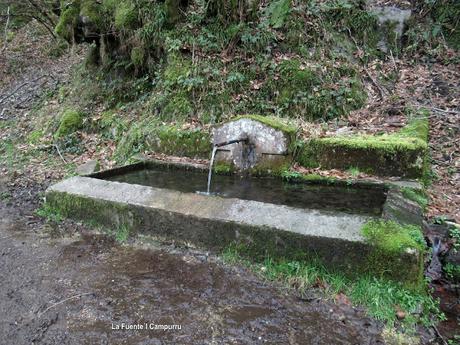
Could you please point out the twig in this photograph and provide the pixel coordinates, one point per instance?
(63, 301)
(381, 90)
(59, 152)
(393, 60)
(439, 335)
(447, 111)
(7, 23)
(377, 85)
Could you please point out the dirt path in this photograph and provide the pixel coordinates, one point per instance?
(75, 290)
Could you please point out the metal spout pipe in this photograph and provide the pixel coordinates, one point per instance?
(234, 141)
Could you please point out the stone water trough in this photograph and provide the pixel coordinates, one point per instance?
(165, 200)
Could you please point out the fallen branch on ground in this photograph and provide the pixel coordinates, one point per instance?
(21, 86)
(63, 301)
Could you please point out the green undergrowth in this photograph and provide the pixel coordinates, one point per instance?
(210, 67)
(49, 213)
(452, 271)
(381, 298)
(435, 29)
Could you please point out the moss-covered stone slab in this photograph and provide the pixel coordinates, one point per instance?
(174, 141)
(167, 139)
(401, 154)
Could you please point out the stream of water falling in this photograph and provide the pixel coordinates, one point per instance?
(211, 163)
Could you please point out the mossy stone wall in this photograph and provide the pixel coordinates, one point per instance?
(401, 154)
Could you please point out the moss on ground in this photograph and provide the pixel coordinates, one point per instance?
(71, 120)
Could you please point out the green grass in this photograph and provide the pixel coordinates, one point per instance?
(122, 234)
(5, 196)
(353, 171)
(7, 153)
(381, 298)
(418, 196)
(49, 213)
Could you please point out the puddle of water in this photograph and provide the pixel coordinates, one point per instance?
(367, 201)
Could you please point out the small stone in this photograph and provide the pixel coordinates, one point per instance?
(87, 168)
(400, 315)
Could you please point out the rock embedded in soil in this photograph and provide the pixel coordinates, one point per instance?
(87, 168)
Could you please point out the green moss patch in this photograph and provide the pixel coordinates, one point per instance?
(398, 251)
(68, 20)
(175, 141)
(167, 139)
(392, 237)
(71, 120)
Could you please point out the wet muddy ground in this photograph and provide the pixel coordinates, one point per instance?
(75, 290)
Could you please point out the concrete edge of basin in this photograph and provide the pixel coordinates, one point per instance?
(155, 211)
